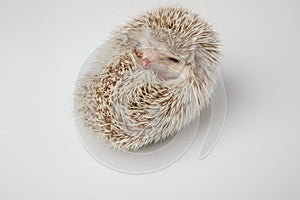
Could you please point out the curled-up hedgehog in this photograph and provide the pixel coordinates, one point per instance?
(150, 79)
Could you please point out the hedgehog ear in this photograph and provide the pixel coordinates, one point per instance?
(195, 60)
(191, 59)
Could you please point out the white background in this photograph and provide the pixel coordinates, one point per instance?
(42, 47)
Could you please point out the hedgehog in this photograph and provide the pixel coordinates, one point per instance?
(150, 79)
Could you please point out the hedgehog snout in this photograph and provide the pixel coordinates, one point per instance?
(146, 56)
(145, 63)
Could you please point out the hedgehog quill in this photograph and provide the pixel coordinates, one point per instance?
(150, 79)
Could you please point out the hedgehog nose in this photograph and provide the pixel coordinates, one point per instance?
(145, 63)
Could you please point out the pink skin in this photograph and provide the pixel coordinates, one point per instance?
(145, 63)
(147, 56)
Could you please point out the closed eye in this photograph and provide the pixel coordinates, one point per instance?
(173, 59)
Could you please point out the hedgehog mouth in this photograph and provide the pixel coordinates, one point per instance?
(165, 73)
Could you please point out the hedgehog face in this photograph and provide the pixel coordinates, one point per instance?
(165, 65)
(155, 54)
